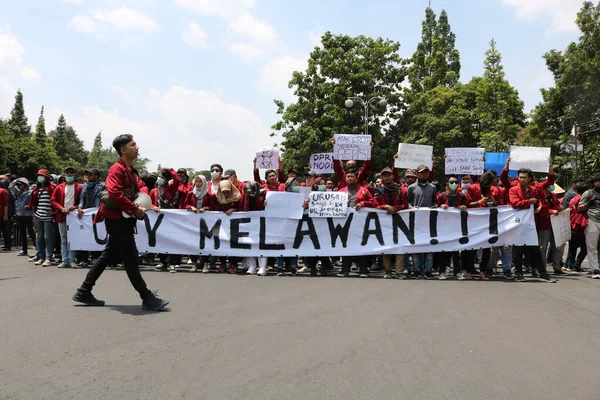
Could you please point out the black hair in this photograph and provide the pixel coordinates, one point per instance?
(487, 179)
(580, 187)
(149, 180)
(437, 185)
(352, 171)
(577, 179)
(218, 166)
(120, 141)
(451, 176)
(269, 171)
(525, 171)
(165, 173)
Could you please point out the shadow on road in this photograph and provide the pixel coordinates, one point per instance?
(12, 277)
(133, 310)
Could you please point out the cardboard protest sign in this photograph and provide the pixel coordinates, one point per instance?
(322, 163)
(267, 158)
(352, 147)
(328, 204)
(413, 155)
(534, 158)
(464, 161)
(496, 162)
(284, 205)
(561, 227)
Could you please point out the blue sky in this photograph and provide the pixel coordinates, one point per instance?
(194, 80)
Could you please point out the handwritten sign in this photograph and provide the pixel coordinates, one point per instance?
(322, 163)
(534, 158)
(328, 204)
(561, 227)
(267, 158)
(352, 147)
(413, 155)
(284, 205)
(464, 161)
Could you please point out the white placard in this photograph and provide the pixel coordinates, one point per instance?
(322, 163)
(367, 232)
(267, 158)
(561, 227)
(534, 158)
(305, 190)
(413, 155)
(352, 147)
(465, 161)
(328, 204)
(284, 205)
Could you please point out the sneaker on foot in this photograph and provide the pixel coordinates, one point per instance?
(154, 303)
(222, 269)
(205, 269)
(64, 264)
(302, 270)
(535, 274)
(520, 278)
(343, 275)
(262, 271)
(75, 266)
(33, 259)
(547, 278)
(292, 271)
(559, 272)
(46, 263)
(596, 274)
(428, 275)
(387, 276)
(38, 262)
(232, 269)
(460, 276)
(189, 261)
(194, 268)
(442, 277)
(160, 267)
(22, 254)
(364, 275)
(87, 298)
(251, 271)
(509, 276)
(173, 268)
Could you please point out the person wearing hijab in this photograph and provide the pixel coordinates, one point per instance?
(228, 200)
(197, 201)
(254, 200)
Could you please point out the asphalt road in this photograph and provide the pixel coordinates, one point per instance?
(250, 337)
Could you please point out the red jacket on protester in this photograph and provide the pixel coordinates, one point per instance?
(259, 202)
(120, 178)
(57, 201)
(363, 196)
(515, 182)
(444, 198)
(192, 201)
(542, 219)
(398, 199)
(579, 220)
(361, 178)
(169, 192)
(279, 187)
(474, 194)
(519, 199)
(33, 201)
(3, 200)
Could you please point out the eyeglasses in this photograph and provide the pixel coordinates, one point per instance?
(215, 170)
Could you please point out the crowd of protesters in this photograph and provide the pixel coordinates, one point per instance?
(39, 210)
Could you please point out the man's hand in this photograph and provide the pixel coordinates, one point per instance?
(554, 212)
(139, 213)
(463, 207)
(533, 201)
(358, 207)
(230, 211)
(65, 210)
(332, 141)
(482, 201)
(508, 163)
(201, 210)
(395, 156)
(79, 213)
(155, 209)
(372, 144)
(444, 206)
(72, 208)
(390, 209)
(537, 210)
(194, 209)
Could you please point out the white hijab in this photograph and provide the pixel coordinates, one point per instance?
(200, 193)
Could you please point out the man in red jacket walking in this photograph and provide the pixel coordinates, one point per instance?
(65, 199)
(122, 186)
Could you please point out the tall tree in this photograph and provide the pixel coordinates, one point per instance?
(436, 62)
(345, 66)
(499, 111)
(59, 136)
(18, 123)
(41, 137)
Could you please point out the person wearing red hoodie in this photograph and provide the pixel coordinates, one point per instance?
(4, 217)
(166, 196)
(358, 197)
(362, 176)
(65, 199)
(271, 183)
(549, 205)
(578, 222)
(197, 201)
(43, 214)
(122, 186)
(254, 200)
(522, 197)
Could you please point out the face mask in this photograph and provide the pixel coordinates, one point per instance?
(321, 188)
(215, 174)
(551, 188)
(453, 186)
(70, 179)
(296, 189)
(465, 186)
(41, 179)
(160, 181)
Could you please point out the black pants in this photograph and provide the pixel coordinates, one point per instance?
(577, 242)
(533, 253)
(120, 246)
(170, 259)
(469, 257)
(453, 256)
(361, 263)
(25, 226)
(311, 263)
(6, 229)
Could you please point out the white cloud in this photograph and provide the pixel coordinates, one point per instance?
(194, 36)
(222, 8)
(7, 96)
(30, 74)
(124, 93)
(78, 2)
(561, 12)
(125, 18)
(247, 52)
(11, 52)
(82, 23)
(257, 31)
(274, 77)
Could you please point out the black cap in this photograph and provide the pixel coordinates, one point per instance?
(422, 168)
(70, 168)
(311, 173)
(93, 171)
(293, 171)
(596, 178)
(182, 171)
(228, 173)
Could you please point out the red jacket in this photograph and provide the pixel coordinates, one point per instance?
(363, 174)
(120, 178)
(169, 192)
(363, 196)
(192, 201)
(57, 201)
(444, 198)
(3, 200)
(33, 201)
(259, 202)
(519, 199)
(542, 218)
(279, 187)
(515, 182)
(474, 194)
(398, 199)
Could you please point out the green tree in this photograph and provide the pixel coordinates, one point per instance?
(345, 66)
(41, 137)
(59, 137)
(68, 145)
(18, 123)
(5, 147)
(436, 62)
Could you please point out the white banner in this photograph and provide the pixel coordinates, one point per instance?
(535, 158)
(352, 147)
(328, 204)
(284, 205)
(363, 232)
(561, 227)
(267, 158)
(464, 161)
(322, 163)
(413, 155)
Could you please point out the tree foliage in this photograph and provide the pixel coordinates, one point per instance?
(18, 123)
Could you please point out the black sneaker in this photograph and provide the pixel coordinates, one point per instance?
(415, 276)
(535, 274)
(154, 303)
(520, 278)
(547, 278)
(509, 276)
(293, 271)
(87, 298)
(428, 275)
(280, 272)
(23, 254)
(559, 272)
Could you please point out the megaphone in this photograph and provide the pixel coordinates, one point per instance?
(143, 201)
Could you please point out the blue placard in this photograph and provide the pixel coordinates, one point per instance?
(496, 162)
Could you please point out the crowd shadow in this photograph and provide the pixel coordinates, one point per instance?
(11, 277)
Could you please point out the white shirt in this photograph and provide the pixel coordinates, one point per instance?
(69, 195)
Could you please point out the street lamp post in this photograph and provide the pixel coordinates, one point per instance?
(349, 103)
